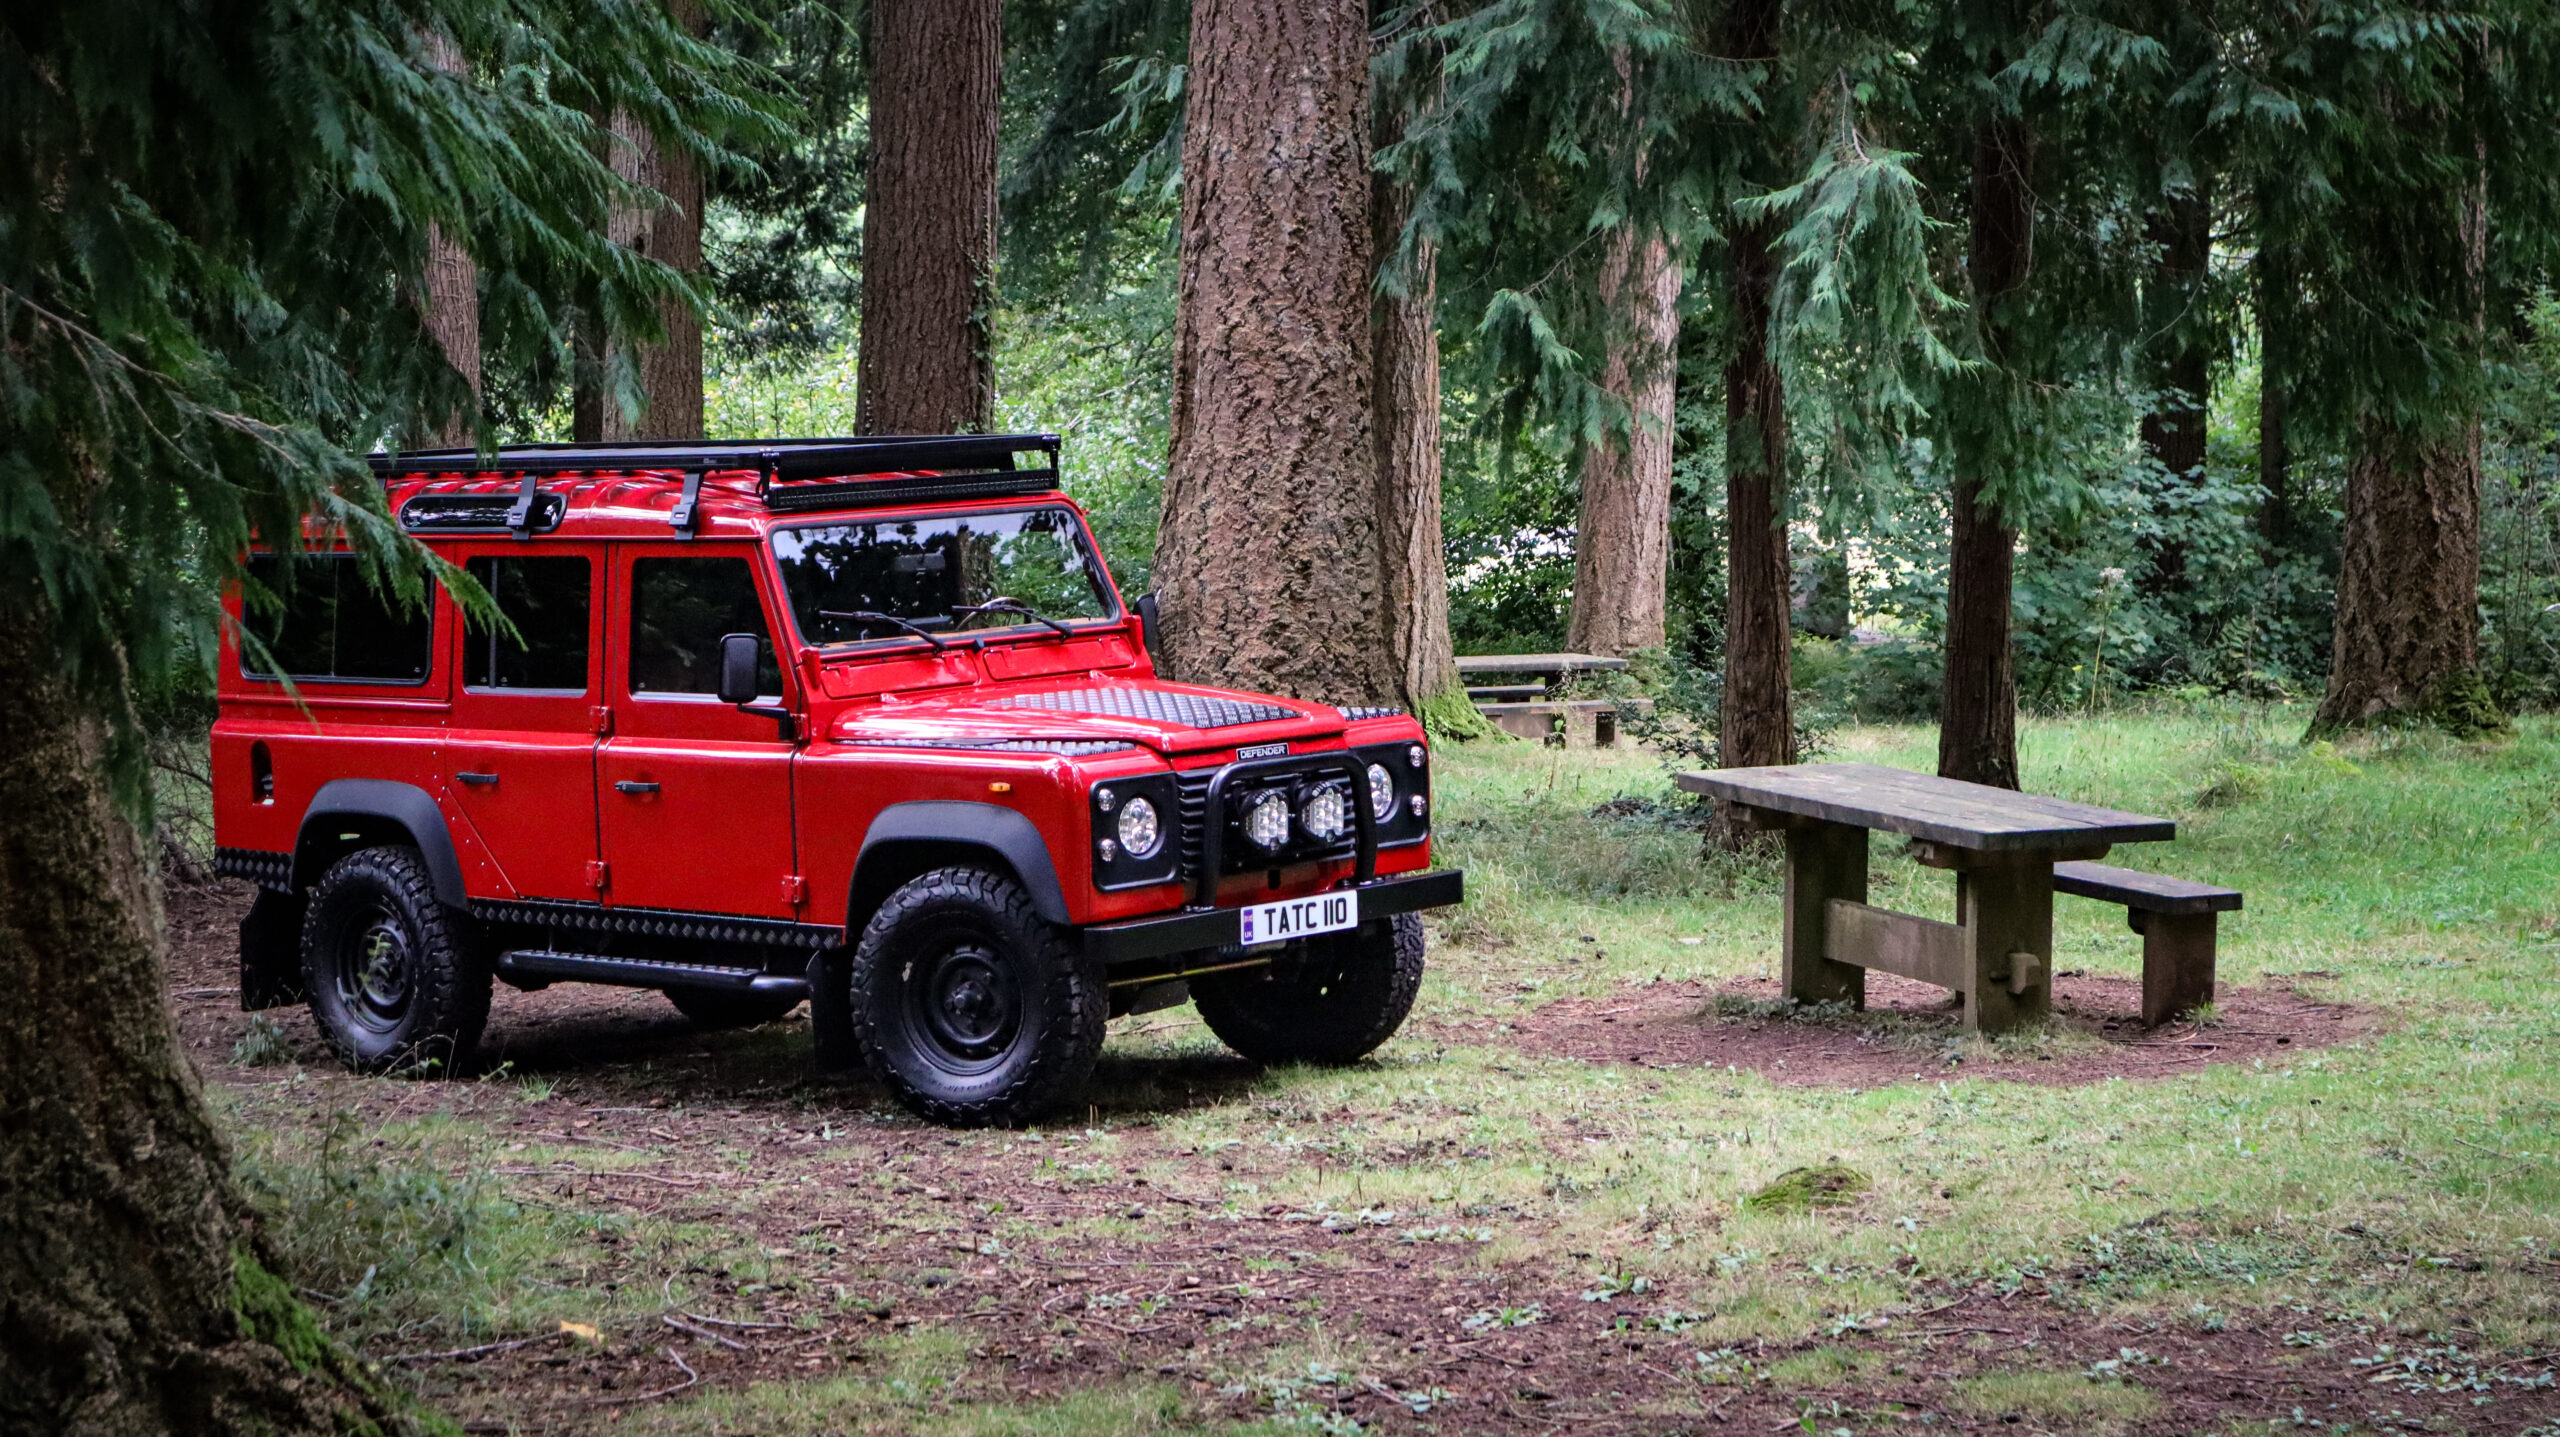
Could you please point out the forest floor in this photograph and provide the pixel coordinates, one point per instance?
(2332, 1206)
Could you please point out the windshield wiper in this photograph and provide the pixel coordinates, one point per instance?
(1014, 606)
(873, 616)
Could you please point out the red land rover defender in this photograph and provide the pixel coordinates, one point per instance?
(862, 722)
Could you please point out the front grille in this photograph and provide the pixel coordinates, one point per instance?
(1239, 856)
(1195, 814)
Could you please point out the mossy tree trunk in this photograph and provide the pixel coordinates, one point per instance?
(131, 1301)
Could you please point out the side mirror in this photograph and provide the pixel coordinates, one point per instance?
(739, 654)
(1149, 626)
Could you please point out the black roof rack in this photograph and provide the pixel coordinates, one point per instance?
(786, 460)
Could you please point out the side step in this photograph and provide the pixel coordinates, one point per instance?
(534, 967)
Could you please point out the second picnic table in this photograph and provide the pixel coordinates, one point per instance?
(2002, 846)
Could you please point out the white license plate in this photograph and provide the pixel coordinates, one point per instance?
(1298, 917)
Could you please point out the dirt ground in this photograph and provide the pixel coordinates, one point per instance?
(876, 1223)
(1909, 1033)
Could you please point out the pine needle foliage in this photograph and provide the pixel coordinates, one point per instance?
(213, 220)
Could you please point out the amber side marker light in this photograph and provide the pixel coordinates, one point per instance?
(999, 788)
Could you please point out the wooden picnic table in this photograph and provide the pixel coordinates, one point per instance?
(1512, 690)
(2002, 846)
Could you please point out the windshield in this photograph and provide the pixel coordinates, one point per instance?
(887, 578)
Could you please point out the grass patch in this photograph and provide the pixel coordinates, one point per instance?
(2071, 1400)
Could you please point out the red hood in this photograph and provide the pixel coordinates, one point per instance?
(1167, 717)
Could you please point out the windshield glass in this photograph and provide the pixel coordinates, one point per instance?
(929, 572)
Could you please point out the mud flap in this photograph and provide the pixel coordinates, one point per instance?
(831, 1013)
(271, 951)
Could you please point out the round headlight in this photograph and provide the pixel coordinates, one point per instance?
(1382, 792)
(1140, 834)
(1266, 819)
(1326, 814)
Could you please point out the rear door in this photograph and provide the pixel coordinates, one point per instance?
(695, 797)
(520, 746)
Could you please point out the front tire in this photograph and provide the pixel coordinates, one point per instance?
(1331, 1000)
(972, 1009)
(391, 973)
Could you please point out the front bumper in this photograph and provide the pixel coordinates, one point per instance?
(1194, 929)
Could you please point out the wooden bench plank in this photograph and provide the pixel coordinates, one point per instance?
(2150, 892)
(1941, 810)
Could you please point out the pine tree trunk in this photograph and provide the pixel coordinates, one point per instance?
(1757, 724)
(929, 228)
(2173, 433)
(2406, 642)
(1267, 563)
(1413, 575)
(1978, 714)
(449, 300)
(670, 374)
(1622, 540)
(122, 1253)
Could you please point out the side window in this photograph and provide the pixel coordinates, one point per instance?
(546, 599)
(335, 626)
(680, 609)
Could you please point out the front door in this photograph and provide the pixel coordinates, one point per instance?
(519, 751)
(695, 796)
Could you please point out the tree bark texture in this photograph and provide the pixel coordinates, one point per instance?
(670, 374)
(119, 1234)
(2173, 433)
(1978, 713)
(1622, 539)
(927, 362)
(1268, 564)
(2406, 641)
(2406, 638)
(1757, 723)
(1413, 574)
(449, 300)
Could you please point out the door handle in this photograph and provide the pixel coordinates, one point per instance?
(477, 780)
(633, 785)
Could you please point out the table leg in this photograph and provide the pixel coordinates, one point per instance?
(2006, 911)
(1824, 861)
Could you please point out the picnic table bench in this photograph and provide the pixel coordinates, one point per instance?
(2010, 852)
(1513, 690)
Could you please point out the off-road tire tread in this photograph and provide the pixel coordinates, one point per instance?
(1061, 1062)
(452, 997)
(716, 1010)
(1252, 1014)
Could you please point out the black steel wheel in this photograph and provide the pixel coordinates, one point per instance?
(1329, 999)
(392, 978)
(971, 1008)
(713, 1009)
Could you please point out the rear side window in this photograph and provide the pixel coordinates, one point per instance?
(334, 626)
(546, 599)
(680, 610)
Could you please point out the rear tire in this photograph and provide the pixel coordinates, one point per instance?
(716, 1009)
(971, 1008)
(393, 975)
(1331, 1000)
